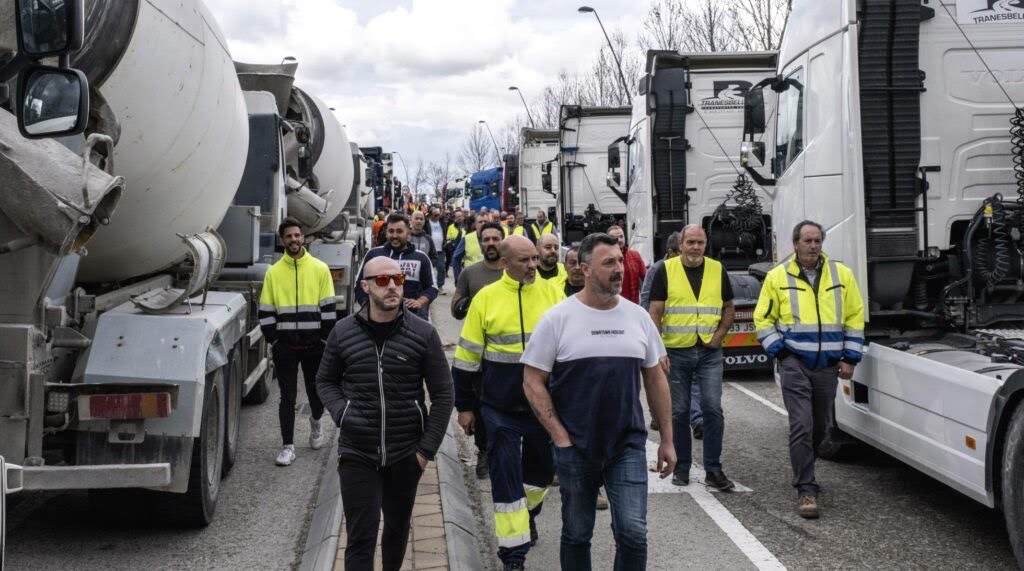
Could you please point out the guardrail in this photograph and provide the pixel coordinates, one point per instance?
(10, 482)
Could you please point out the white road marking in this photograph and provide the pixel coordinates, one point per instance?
(745, 541)
(759, 398)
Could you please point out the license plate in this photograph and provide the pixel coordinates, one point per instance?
(743, 327)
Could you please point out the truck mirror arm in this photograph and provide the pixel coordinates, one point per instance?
(760, 180)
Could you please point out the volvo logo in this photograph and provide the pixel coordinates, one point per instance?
(755, 359)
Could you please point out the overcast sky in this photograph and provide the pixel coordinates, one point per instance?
(416, 75)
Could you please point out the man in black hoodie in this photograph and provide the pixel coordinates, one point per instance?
(419, 289)
(371, 380)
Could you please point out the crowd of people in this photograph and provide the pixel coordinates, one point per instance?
(547, 374)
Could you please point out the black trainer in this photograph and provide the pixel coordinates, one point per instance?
(680, 479)
(718, 481)
(698, 431)
(533, 532)
(513, 565)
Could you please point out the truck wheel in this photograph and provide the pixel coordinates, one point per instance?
(195, 508)
(232, 408)
(1013, 482)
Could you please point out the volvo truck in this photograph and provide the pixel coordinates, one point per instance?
(900, 129)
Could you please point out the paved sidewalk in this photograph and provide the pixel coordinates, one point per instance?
(428, 547)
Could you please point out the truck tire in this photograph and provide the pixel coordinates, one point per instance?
(1013, 482)
(195, 508)
(234, 376)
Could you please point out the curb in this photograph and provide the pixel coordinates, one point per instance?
(322, 540)
(459, 522)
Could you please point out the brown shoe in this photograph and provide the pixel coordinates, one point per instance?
(602, 501)
(808, 507)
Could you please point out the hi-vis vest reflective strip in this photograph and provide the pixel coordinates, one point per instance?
(686, 316)
(472, 248)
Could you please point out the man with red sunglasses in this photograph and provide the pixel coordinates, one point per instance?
(418, 289)
(372, 378)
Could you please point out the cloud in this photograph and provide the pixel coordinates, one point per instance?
(417, 75)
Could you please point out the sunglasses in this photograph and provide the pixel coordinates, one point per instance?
(382, 279)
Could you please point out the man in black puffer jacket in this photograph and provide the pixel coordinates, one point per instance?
(371, 380)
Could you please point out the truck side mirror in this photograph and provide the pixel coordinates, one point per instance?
(753, 112)
(49, 27)
(305, 162)
(52, 102)
(545, 182)
(614, 160)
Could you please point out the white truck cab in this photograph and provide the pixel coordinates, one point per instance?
(900, 130)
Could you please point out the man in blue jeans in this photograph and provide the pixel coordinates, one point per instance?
(583, 367)
(691, 301)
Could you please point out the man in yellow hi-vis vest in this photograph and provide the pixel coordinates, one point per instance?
(497, 330)
(810, 315)
(691, 301)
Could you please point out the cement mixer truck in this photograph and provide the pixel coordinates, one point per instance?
(134, 245)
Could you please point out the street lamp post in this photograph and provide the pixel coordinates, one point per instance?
(404, 167)
(618, 64)
(525, 106)
(496, 149)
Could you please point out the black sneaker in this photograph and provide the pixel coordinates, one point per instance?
(680, 479)
(514, 565)
(533, 533)
(698, 431)
(481, 466)
(718, 481)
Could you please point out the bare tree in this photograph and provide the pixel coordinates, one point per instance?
(759, 23)
(508, 135)
(437, 177)
(663, 26)
(420, 179)
(477, 152)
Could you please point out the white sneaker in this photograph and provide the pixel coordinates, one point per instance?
(286, 456)
(316, 434)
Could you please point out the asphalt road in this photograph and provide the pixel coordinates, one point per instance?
(261, 521)
(876, 512)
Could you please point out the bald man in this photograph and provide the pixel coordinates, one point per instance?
(381, 358)
(494, 335)
(691, 303)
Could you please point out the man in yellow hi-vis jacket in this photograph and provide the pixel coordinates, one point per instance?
(691, 303)
(494, 336)
(810, 316)
(297, 312)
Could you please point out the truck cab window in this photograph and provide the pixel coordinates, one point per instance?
(790, 138)
(634, 168)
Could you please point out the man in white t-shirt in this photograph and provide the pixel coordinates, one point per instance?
(584, 365)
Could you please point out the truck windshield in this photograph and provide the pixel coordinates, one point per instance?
(790, 139)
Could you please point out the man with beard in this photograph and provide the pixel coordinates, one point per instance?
(494, 335)
(584, 366)
(471, 281)
(574, 280)
(635, 269)
(296, 313)
(380, 359)
(548, 266)
(691, 303)
(419, 289)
